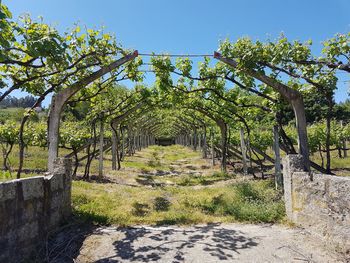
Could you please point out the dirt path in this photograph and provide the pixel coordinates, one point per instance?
(203, 243)
(213, 242)
(171, 166)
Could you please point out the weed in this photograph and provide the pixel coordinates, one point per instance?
(140, 209)
(161, 204)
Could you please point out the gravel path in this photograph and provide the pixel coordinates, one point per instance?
(204, 244)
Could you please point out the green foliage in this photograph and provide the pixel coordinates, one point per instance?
(317, 135)
(35, 57)
(154, 161)
(342, 111)
(121, 205)
(13, 114)
(190, 180)
(35, 134)
(251, 202)
(74, 134)
(9, 133)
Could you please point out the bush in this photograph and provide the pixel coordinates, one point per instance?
(140, 209)
(246, 192)
(249, 201)
(161, 204)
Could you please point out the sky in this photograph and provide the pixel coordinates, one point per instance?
(197, 26)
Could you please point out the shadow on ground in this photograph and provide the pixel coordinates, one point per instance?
(171, 245)
(64, 245)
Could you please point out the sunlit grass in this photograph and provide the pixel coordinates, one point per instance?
(183, 203)
(254, 201)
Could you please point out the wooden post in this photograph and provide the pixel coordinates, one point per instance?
(122, 152)
(244, 153)
(100, 163)
(129, 141)
(249, 153)
(194, 140)
(223, 130)
(205, 143)
(199, 141)
(212, 147)
(276, 148)
(114, 149)
(345, 153)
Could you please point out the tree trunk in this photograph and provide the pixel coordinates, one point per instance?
(87, 165)
(117, 150)
(328, 140)
(100, 162)
(76, 163)
(299, 111)
(345, 153)
(58, 101)
(57, 104)
(205, 143)
(114, 147)
(89, 155)
(328, 133)
(320, 152)
(294, 97)
(6, 154)
(212, 148)
(122, 152)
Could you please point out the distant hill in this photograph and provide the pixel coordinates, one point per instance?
(13, 102)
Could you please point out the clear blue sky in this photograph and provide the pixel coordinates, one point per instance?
(196, 26)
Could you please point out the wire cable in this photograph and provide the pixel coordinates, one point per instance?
(176, 55)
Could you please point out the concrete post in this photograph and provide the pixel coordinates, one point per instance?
(244, 153)
(291, 163)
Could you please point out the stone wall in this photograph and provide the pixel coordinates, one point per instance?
(30, 208)
(320, 203)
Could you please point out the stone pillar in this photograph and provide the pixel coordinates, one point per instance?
(244, 152)
(291, 163)
(63, 167)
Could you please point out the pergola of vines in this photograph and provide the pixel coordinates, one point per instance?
(239, 88)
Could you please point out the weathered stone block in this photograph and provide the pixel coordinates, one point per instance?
(55, 219)
(56, 200)
(29, 231)
(63, 166)
(8, 190)
(55, 181)
(30, 207)
(321, 205)
(4, 245)
(32, 187)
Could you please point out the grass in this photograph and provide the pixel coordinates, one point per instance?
(189, 201)
(339, 166)
(14, 114)
(253, 201)
(188, 180)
